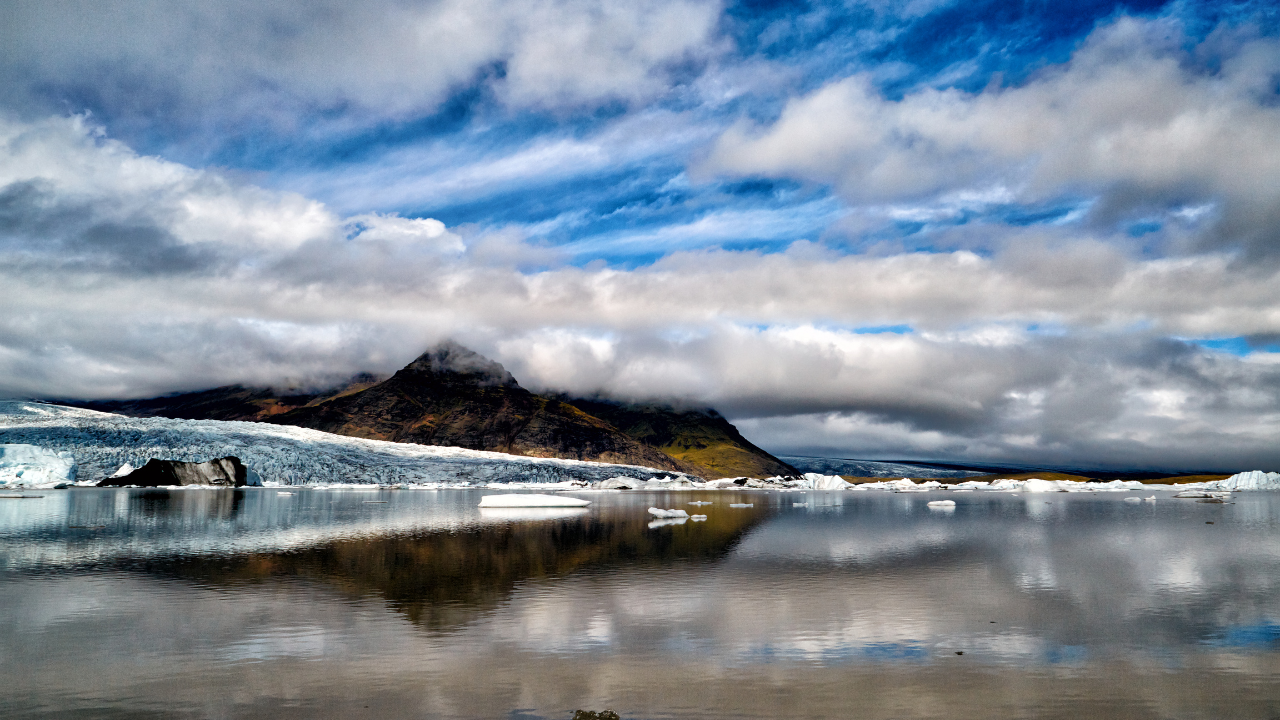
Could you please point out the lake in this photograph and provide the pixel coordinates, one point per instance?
(417, 604)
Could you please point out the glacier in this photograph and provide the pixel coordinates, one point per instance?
(100, 443)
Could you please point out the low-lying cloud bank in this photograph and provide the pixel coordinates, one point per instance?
(124, 275)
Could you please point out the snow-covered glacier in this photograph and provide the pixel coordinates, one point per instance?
(280, 454)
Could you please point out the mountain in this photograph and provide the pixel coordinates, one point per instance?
(453, 396)
(699, 437)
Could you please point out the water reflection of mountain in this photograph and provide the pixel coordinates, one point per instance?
(443, 579)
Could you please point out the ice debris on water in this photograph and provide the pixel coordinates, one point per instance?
(942, 503)
(659, 512)
(741, 505)
(697, 518)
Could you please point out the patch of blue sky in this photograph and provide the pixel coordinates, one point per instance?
(883, 329)
(1239, 346)
(948, 44)
(746, 226)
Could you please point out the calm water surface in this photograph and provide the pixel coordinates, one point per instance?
(417, 604)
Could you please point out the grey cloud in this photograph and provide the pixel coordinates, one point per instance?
(266, 62)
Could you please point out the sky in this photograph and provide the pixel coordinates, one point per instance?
(1015, 232)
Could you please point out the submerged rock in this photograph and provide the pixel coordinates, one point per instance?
(222, 472)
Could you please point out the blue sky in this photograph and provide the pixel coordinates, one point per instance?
(1041, 232)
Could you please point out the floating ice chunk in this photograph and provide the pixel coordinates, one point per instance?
(818, 481)
(1200, 494)
(530, 500)
(1038, 485)
(942, 503)
(659, 512)
(284, 493)
(697, 518)
(1133, 499)
(741, 505)
(1149, 499)
(701, 502)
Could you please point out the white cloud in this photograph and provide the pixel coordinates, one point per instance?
(1133, 118)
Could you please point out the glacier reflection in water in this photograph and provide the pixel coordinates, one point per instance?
(411, 603)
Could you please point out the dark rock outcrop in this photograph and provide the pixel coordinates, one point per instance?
(224, 472)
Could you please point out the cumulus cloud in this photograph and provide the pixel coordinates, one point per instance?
(276, 60)
(1137, 124)
(125, 275)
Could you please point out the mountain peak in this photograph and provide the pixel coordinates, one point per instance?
(450, 358)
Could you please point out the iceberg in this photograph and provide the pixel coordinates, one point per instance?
(818, 481)
(697, 518)
(942, 503)
(35, 466)
(660, 513)
(1251, 480)
(528, 500)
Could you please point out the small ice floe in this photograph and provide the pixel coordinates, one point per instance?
(660, 513)
(697, 518)
(1207, 494)
(1133, 499)
(531, 500)
(1149, 499)
(701, 502)
(942, 504)
(742, 504)
(799, 504)
(284, 493)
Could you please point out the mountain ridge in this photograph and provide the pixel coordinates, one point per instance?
(451, 395)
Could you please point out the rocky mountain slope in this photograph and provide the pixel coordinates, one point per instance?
(700, 437)
(453, 396)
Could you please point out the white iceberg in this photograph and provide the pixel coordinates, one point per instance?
(659, 512)
(741, 505)
(34, 466)
(942, 503)
(1251, 480)
(527, 500)
(818, 481)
